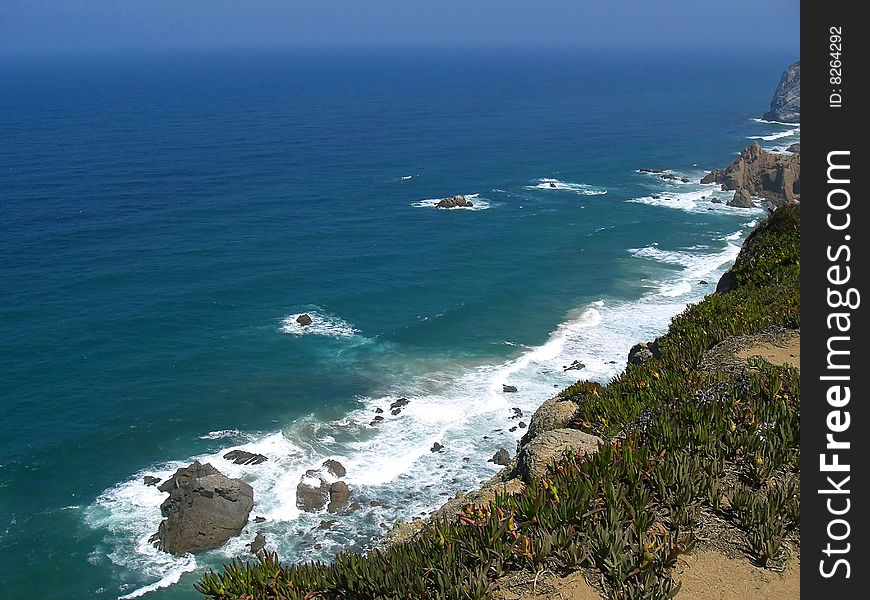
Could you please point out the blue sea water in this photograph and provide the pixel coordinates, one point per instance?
(165, 218)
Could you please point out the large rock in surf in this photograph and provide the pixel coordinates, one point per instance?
(554, 413)
(205, 508)
(454, 202)
(775, 177)
(336, 468)
(304, 319)
(242, 457)
(338, 495)
(535, 457)
(786, 103)
(312, 492)
(501, 458)
(741, 199)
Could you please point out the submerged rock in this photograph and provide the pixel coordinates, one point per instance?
(205, 508)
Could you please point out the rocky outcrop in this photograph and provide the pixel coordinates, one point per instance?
(501, 458)
(554, 413)
(336, 468)
(304, 319)
(575, 366)
(258, 544)
(241, 457)
(535, 457)
(338, 496)
(150, 480)
(642, 352)
(508, 389)
(454, 202)
(204, 509)
(794, 148)
(775, 177)
(318, 488)
(786, 103)
(741, 199)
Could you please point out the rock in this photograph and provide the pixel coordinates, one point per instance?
(642, 352)
(727, 282)
(656, 197)
(312, 492)
(376, 503)
(240, 457)
(378, 418)
(518, 413)
(502, 458)
(786, 103)
(552, 185)
(454, 202)
(336, 468)
(508, 389)
(685, 179)
(536, 456)
(742, 199)
(304, 319)
(259, 519)
(576, 366)
(774, 177)
(648, 170)
(512, 429)
(150, 480)
(554, 413)
(258, 544)
(521, 424)
(794, 148)
(394, 412)
(668, 176)
(436, 447)
(326, 524)
(205, 508)
(716, 200)
(338, 495)
(379, 410)
(400, 403)
(703, 282)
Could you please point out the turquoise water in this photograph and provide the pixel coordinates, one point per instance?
(164, 218)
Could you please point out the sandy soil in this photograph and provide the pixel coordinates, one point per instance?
(546, 587)
(709, 575)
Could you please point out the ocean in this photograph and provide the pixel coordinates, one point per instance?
(166, 217)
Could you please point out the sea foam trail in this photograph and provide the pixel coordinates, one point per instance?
(391, 470)
(775, 136)
(322, 323)
(556, 185)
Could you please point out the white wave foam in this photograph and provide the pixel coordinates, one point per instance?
(777, 123)
(322, 324)
(170, 578)
(578, 188)
(222, 434)
(775, 136)
(432, 202)
(698, 200)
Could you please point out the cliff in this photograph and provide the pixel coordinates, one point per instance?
(775, 177)
(786, 103)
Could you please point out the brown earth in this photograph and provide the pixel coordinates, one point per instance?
(710, 575)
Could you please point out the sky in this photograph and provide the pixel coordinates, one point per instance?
(63, 26)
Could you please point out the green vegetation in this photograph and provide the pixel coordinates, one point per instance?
(686, 448)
